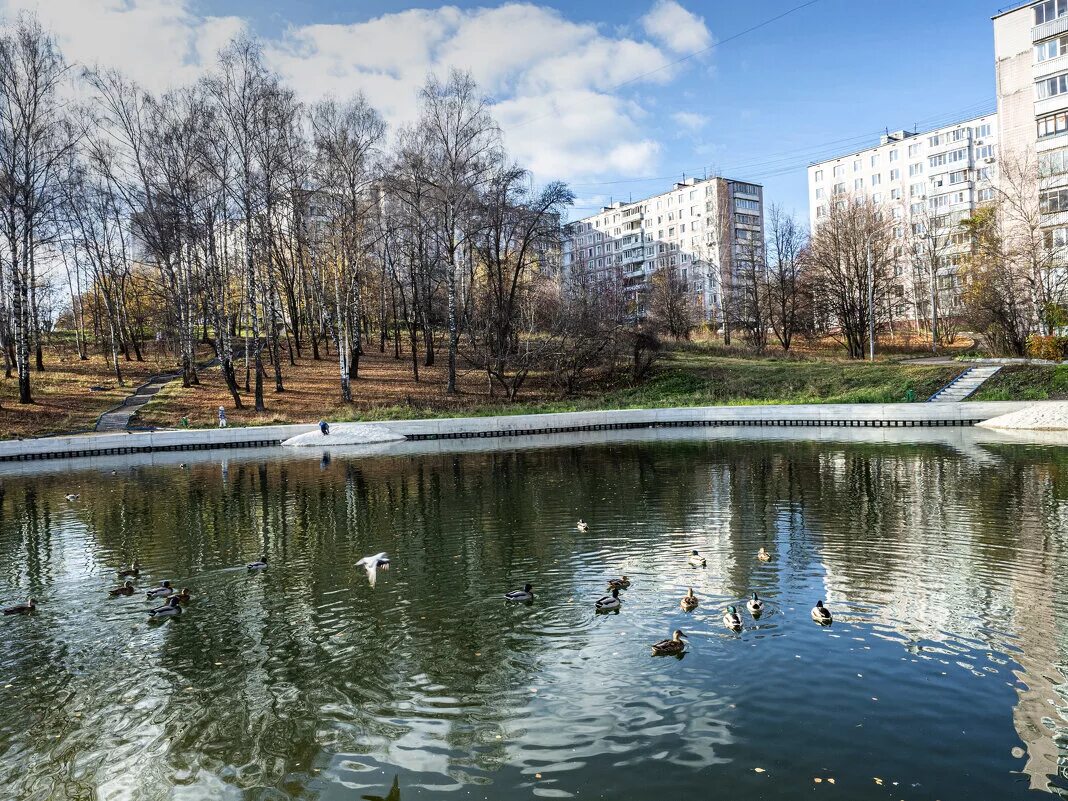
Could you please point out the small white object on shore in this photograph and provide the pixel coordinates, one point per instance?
(1046, 416)
(346, 434)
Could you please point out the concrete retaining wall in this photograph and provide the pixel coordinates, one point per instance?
(875, 415)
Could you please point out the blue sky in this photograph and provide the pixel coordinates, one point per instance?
(825, 80)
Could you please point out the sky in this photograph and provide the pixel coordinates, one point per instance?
(618, 99)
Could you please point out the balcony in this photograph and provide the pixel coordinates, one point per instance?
(1048, 29)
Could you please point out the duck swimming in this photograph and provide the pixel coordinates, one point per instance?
(755, 606)
(259, 564)
(132, 570)
(696, 560)
(673, 647)
(184, 596)
(732, 620)
(582, 525)
(821, 614)
(521, 596)
(21, 609)
(169, 609)
(763, 555)
(689, 601)
(162, 591)
(73, 496)
(620, 583)
(123, 589)
(609, 603)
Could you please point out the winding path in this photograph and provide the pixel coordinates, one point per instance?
(118, 419)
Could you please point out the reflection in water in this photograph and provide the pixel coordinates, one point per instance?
(306, 680)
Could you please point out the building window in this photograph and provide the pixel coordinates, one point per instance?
(895, 175)
(895, 194)
(958, 176)
(982, 130)
(818, 176)
(985, 195)
(916, 189)
(858, 184)
(839, 189)
(875, 161)
(1051, 87)
(856, 165)
(1053, 201)
(984, 152)
(1050, 10)
(1053, 162)
(914, 150)
(740, 204)
(934, 140)
(915, 169)
(1052, 124)
(1051, 49)
(839, 171)
(747, 189)
(893, 156)
(819, 193)
(877, 197)
(876, 180)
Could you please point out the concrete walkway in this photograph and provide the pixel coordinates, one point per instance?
(964, 385)
(857, 415)
(118, 419)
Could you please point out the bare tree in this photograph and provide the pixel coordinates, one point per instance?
(672, 309)
(789, 292)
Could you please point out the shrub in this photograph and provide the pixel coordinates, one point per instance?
(1052, 349)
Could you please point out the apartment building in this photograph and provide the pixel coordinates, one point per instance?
(1031, 65)
(936, 177)
(702, 229)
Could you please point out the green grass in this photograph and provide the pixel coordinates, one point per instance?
(1026, 382)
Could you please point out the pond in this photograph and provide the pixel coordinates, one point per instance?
(942, 676)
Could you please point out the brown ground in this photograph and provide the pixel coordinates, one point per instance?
(63, 401)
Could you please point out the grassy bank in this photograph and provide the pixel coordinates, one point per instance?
(691, 376)
(1026, 382)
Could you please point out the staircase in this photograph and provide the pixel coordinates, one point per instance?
(963, 385)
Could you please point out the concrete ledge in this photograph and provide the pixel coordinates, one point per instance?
(874, 415)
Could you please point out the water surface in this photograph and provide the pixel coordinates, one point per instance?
(941, 678)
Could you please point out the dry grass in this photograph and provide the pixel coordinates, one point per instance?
(63, 400)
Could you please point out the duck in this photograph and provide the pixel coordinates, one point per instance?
(132, 570)
(689, 601)
(162, 591)
(763, 555)
(169, 609)
(755, 606)
(732, 620)
(126, 588)
(821, 614)
(521, 596)
(259, 564)
(673, 647)
(609, 603)
(375, 562)
(696, 560)
(183, 596)
(22, 609)
(73, 496)
(582, 525)
(620, 583)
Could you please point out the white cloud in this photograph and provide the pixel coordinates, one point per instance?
(690, 120)
(161, 43)
(551, 80)
(678, 29)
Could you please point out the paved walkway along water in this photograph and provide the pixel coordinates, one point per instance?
(964, 385)
(849, 415)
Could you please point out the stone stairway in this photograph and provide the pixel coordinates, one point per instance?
(118, 419)
(963, 385)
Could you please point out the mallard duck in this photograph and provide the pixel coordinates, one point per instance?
(183, 596)
(620, 583)
(73, 496)
(755, 606)
(375, 562)
(162, 591)
(763, 555)
(123, 589)
(259, 564)
(696, 560)
(21, 609)
(582, 525)
(169, 609)
(132, 570)
(672, 647)
(521, 596)
(821, 614)
(609, 603)
(689, 601)
(732, 620)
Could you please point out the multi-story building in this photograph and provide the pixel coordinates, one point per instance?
(701, 230)
(929, 178)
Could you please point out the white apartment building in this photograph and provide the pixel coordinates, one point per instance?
(701, 229)
(938, 176)
(1031, 65)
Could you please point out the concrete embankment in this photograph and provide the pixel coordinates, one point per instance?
(875, 415)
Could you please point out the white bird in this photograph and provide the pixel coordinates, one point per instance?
(582, 525)
(376, 561)
(821, 614)
(73, 496)
(696, 560)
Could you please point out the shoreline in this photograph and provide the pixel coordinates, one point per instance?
(862, 415)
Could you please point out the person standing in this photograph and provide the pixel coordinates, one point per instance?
(222, 417)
